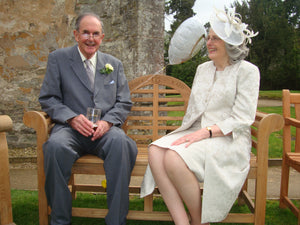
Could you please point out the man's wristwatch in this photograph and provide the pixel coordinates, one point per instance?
(210, 132)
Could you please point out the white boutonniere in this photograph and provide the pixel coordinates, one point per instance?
(107, 69)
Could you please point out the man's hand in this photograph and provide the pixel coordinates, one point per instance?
(82, 125)
(103, 127)
(85, 127)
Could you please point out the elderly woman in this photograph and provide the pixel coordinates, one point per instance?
(214, 142)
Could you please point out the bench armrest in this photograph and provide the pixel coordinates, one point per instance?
(5, 123)
(292, 122)
(268, 123)
(40, 122)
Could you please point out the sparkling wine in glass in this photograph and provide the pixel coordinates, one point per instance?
(93, 115)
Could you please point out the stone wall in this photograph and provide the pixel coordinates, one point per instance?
(30, 29)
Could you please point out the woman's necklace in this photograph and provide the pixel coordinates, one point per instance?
(215, 77)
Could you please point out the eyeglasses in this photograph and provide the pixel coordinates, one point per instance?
(212, 39)
(88, 35)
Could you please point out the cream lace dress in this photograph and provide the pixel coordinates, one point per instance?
(227, 98)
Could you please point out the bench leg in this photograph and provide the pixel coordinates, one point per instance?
(73, 188)
(5, 196)
(148, 203)
(285, 172)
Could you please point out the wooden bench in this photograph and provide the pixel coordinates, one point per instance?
(155, 99)
(290, 156)
(6, 216)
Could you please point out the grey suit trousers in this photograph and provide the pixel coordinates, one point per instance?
(64, 147)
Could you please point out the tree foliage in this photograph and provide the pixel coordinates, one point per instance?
(276, 50)
(180, 9)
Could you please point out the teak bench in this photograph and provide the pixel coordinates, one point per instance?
(155, 98)
(6, 216)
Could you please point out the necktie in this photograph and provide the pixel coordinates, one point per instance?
(90, 72)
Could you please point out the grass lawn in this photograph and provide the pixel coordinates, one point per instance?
(274, 94)
(25, 210)
(275, 140)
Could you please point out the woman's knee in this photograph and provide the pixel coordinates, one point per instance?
(173, 162)
(156, 154)
(152, 151)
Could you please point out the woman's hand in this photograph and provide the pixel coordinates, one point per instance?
(192, 137)
(199, 135)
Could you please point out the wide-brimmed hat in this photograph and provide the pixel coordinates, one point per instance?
(230, 28)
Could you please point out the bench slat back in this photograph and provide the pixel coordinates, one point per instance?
(159, 104)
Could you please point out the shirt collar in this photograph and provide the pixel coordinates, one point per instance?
(93, 59)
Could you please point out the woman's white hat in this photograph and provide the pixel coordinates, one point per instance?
(187, 40)
(229, 27)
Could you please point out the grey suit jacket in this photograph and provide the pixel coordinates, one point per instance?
(66, 91)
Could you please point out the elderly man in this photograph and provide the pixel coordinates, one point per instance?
(79, 77)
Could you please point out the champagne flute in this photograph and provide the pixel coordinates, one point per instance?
(93, 115)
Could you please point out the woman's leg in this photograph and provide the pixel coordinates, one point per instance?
(166, 188)
(185, 183)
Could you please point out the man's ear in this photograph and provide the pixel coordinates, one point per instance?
(102, 37)
(76, 34)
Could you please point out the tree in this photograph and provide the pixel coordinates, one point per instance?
(180, 9)
(276, 49)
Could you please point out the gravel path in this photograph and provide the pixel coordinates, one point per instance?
(269, 103)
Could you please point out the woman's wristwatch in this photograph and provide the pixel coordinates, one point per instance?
(210, 132)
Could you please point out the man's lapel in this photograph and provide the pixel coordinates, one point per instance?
(99, 77)
(78, 68)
